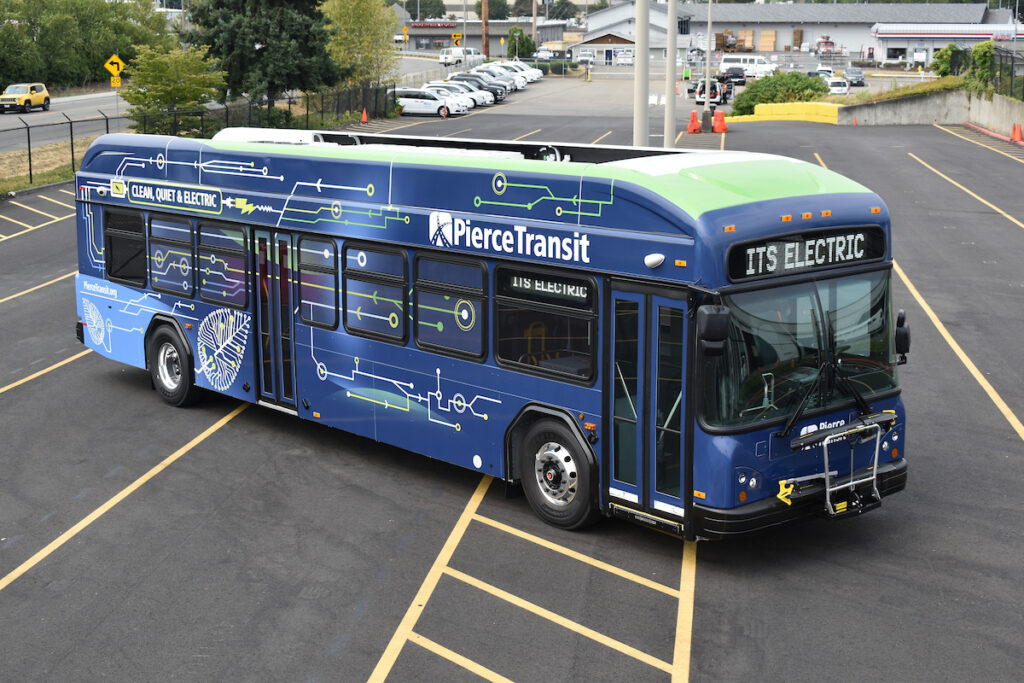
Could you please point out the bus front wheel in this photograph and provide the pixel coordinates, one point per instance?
(556, 476)
(170, 366)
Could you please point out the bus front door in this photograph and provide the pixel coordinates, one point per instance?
(646, 473)
(274, 289)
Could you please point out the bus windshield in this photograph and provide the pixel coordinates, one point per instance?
(781, 339)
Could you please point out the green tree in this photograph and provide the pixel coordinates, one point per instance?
(431, 9)
(167, 81)
(982, 59)
(941, 60)
(496, 9)
(362, 38)
(264, 46)
(523, 8)
(563, 9)
(787, 87)
(519, 44)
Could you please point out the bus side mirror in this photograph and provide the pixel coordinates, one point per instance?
(712, 328)
(902, 337)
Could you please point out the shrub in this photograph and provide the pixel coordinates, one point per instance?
(787, 87)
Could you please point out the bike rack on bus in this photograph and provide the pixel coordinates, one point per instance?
(866, 425)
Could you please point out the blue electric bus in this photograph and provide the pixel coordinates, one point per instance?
(703, 342)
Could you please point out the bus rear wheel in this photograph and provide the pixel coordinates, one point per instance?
(556, 476)
(170, 366)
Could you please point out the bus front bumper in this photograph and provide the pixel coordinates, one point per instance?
(717, 523)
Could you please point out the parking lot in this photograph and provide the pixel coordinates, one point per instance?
(232, 542)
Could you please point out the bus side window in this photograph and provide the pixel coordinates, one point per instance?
(124, 246)
(170, 255)
(318, 283)
(374, 292)
(450, 306)
(222, 265)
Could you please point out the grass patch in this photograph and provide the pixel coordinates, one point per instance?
(50, 164)
(865, 97)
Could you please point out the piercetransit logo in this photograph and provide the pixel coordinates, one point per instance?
(447, 231)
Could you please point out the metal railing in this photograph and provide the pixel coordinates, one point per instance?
(28, 149)
(1008, 73)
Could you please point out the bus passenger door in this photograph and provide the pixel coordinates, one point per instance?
(646, 473)
(275, 304)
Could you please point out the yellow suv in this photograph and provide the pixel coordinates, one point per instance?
(24, 96)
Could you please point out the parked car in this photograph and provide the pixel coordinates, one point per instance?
(25, 96)
(854, 75)
(543, 54)
(735, 75)
(507, 78)
(480, 81)
(529, 73)
(481, 97)
(838, 86)
(586, 57)
(444, 93)
(624, 59)
(719, 94)
(420, 101)
(822, 69)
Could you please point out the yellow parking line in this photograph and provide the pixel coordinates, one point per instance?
(953, 182)
(127, 491)
(16, 222)
(611, 569)
(818, 157)
(49, 199)
(980, 144)
(67, 192)
(528, 134)
(412, 615)
(458, 132)
(30, 228)
(580, 629)
(684, 615)
(455, 657)
(29, 208)
(32, 289)
(1000, 404)
(601, 138)
(42, 372)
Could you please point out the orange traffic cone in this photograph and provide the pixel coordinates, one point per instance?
(694, 126)
(363, 120)
(855, 120)
(1018, 134)
(719, 125)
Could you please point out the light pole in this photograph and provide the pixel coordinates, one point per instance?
(707, 66)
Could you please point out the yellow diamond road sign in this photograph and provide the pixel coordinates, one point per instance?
(114, 65)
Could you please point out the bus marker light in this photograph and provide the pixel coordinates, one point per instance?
(895, 453)
(743, 496)
(579, 416)
(730, 228)
(316, 414)
(806, 215)
(826, 213)
(680, 263)
(590, 426)
(876, 209)
(787, 218)
(699, 494)
(188, 326)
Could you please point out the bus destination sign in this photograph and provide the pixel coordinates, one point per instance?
(805, 251)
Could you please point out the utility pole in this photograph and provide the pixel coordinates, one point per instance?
(670, 76)
(486, 47)
(641, 70)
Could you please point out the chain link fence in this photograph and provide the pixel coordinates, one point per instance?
(37, 149)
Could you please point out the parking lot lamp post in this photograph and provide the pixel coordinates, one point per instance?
(707, 65)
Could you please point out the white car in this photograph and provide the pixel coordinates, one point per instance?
(838, 86)
(419, 101)
(544, 54)
(518, 82)
(517, 69)
(624, 59)
(480, 97)
(441, 91)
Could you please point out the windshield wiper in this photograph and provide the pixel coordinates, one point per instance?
(803, 402)
(865, 408)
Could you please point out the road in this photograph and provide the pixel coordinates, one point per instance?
(222, 542)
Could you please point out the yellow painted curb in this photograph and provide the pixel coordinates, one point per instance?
(815, 112)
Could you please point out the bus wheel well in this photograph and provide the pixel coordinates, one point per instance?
(159, 321)
(529, 416)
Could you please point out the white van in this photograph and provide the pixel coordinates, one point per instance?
(457, 55)
(754, 66)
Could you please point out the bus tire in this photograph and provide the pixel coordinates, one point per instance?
(557, 477)
(170, 366)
